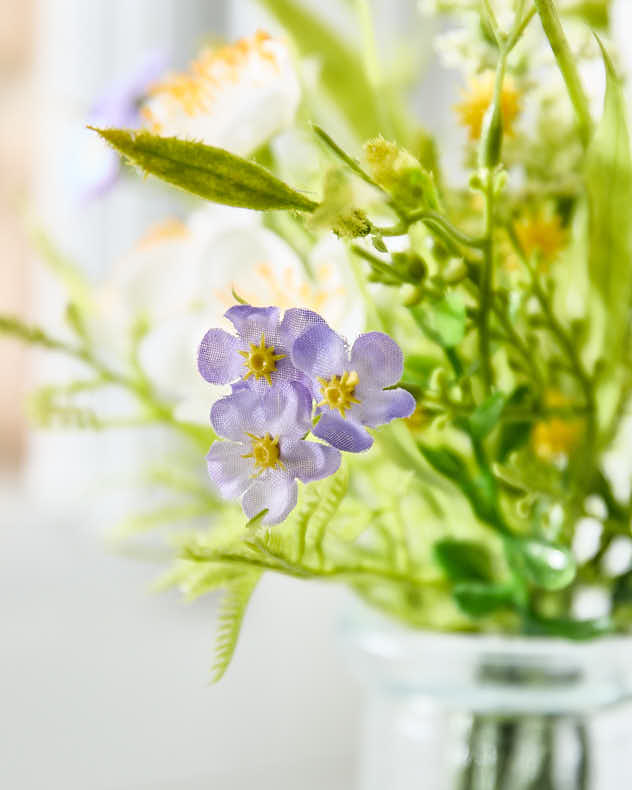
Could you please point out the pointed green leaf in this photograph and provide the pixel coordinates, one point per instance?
(478, 600)
(480, 490)
(464, 560)
(485, 418)
(230, 617)
(211, 173)
(609, 189)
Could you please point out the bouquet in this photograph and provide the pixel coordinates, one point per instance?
(417, 384)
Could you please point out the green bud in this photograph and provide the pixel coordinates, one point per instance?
(491, 137)
(400, 173)
(336, 211)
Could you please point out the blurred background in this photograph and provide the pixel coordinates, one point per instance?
(104, 684)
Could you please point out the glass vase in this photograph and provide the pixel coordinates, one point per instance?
(488, 712)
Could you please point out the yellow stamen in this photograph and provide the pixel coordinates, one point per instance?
(261, 360)
(265, 452)
(339, 391)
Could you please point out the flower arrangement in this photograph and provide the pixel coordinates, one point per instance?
(449, 463)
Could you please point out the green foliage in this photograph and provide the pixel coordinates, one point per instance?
(545, 565)
(464, 560)
(486, 416)
(211, 173)
(229, 619)
(478, 599)
(341, 71)
(609, 190)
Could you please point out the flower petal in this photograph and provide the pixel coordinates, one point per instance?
(320, 352)
(343, 434)
(218, 358)
(377, 359)
(251, 322)
(287, 411)
(227, 468)
(296, 321)
(382, 406)
(310, 460)
(277, 493)
(237, 414)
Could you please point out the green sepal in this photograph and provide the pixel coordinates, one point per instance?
(211, 173)
(464, 560)
(477, 599)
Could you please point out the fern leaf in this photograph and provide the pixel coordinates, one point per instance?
(330, 495)
(230, 617)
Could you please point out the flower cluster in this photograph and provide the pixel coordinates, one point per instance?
(291, 376)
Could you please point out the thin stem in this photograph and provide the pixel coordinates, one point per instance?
(486, 286)
(566, 63)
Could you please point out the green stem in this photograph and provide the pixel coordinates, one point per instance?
(486, 286)
(566, 63)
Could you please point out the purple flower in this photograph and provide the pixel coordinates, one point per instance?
(260, 354)
(265, 453)
(120, 106)
(349, 388)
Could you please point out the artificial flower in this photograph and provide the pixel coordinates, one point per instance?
(260, 354)
(477, 99)
(265, 454)
(235, 97)
(350, 387)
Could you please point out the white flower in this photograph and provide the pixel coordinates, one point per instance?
(235, 97)
(180, 278)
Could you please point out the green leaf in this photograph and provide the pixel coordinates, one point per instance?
(341, 72)
(478, 600)
(513, 435)
(480, 490)
(230, 617)
(544, 564)
(211, 173)
(608, 179)
(485, 418)
(464, 560)
(256, 520)
(567, 628)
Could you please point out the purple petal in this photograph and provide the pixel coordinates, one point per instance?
(310, 461)
(218, 358)
(287, 411)
(343, 434)
(377, 359)
(252, 322)
(320, 352)
(231, 473)
(382, 406)
(237, 414)
(277, 493)
(296, 321)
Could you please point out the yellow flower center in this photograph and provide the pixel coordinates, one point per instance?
(265, 452)
(478, 97)
(261, 360)
(541, 234)
(338, 391)
(556, 437)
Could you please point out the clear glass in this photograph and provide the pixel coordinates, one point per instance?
(487, 712)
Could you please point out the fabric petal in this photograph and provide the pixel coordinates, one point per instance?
(382, 406)
(287, 411)
(310, 460)
(343, 434)
(296, 321)
(377, 359)
(277, 493)
(237, 414)
(230, 472)
(320, 352)
(218, 358)
(251, 322)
